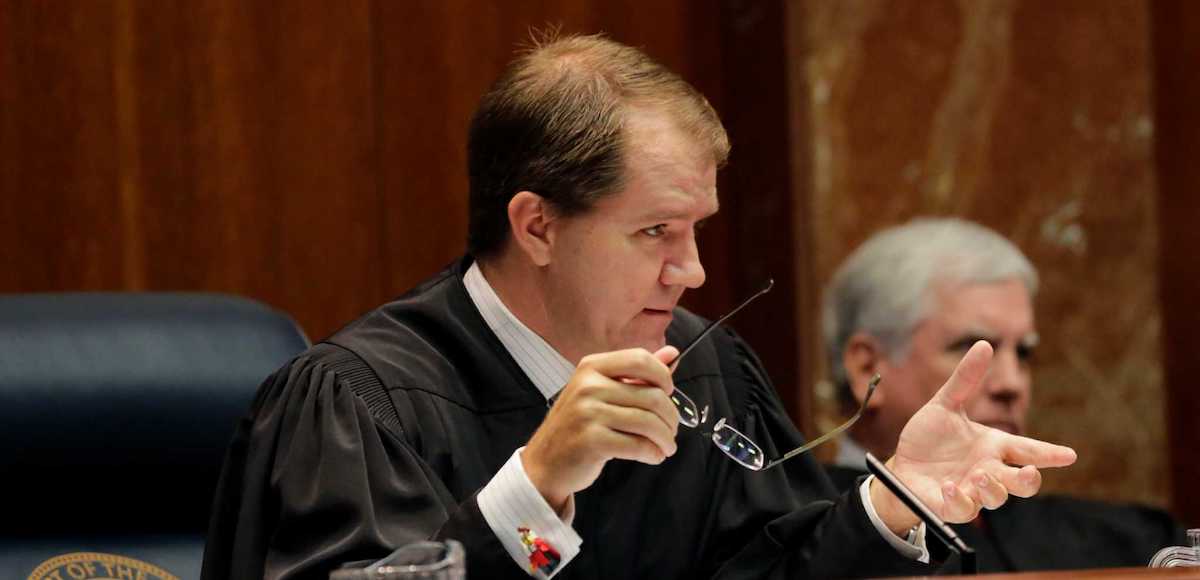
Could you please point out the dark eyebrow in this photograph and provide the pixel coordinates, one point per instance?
(662, 216)
(1027, 346)
(669, 214)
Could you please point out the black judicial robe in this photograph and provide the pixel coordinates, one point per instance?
(383, 434)
(1058, 533)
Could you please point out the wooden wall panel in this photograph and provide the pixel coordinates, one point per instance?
(763, 201)
(212, 145)
(58, 163)
(1176, 34)
(311, 155)
(256, 155)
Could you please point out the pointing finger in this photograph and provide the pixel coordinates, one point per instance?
(1018, 450)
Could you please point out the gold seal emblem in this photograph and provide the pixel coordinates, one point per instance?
(97, 566)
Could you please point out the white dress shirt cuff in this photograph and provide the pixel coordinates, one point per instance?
(913, 546)
(510, 501)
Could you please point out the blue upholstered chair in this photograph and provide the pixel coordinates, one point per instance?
(115, 412)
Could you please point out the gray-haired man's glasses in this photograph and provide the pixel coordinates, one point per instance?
(732, 442)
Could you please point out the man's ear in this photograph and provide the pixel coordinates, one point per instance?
(862, 358)
(529, 218)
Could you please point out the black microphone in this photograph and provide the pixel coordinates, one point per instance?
(935, 524)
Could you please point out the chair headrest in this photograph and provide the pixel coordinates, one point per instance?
(108, 398)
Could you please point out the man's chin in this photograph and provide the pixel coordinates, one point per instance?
(653, 345)
(649, 342)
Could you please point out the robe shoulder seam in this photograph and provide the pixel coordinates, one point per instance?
(457, 403)
(362, 380)
(366, 384)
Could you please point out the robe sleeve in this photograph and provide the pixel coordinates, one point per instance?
(313, 480)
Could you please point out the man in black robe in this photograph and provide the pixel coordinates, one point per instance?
(964, 283)
(526, 387)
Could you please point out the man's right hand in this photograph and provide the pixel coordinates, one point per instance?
(614, 407)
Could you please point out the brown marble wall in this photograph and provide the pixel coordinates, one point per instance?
(1035, 119)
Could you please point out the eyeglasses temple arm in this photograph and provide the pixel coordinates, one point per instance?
(717, 322)
(826, 437)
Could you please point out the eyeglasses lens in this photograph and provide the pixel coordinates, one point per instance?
(737, 446)
(689, 416)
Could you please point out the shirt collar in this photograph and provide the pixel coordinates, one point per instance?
(546, 368)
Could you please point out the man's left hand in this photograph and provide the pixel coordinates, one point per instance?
(957, 466)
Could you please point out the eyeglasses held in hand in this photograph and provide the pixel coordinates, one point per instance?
(732, 442)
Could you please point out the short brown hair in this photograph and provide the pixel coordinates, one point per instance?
(554, 124)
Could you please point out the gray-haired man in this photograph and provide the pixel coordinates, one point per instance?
(907, 304)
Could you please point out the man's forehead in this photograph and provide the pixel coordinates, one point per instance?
(677, 203)
(1007, 291)
(667, 196)
(660, 204)
(984, 307)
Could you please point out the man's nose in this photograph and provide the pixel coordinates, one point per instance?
(684, 269)
(1008, 378)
